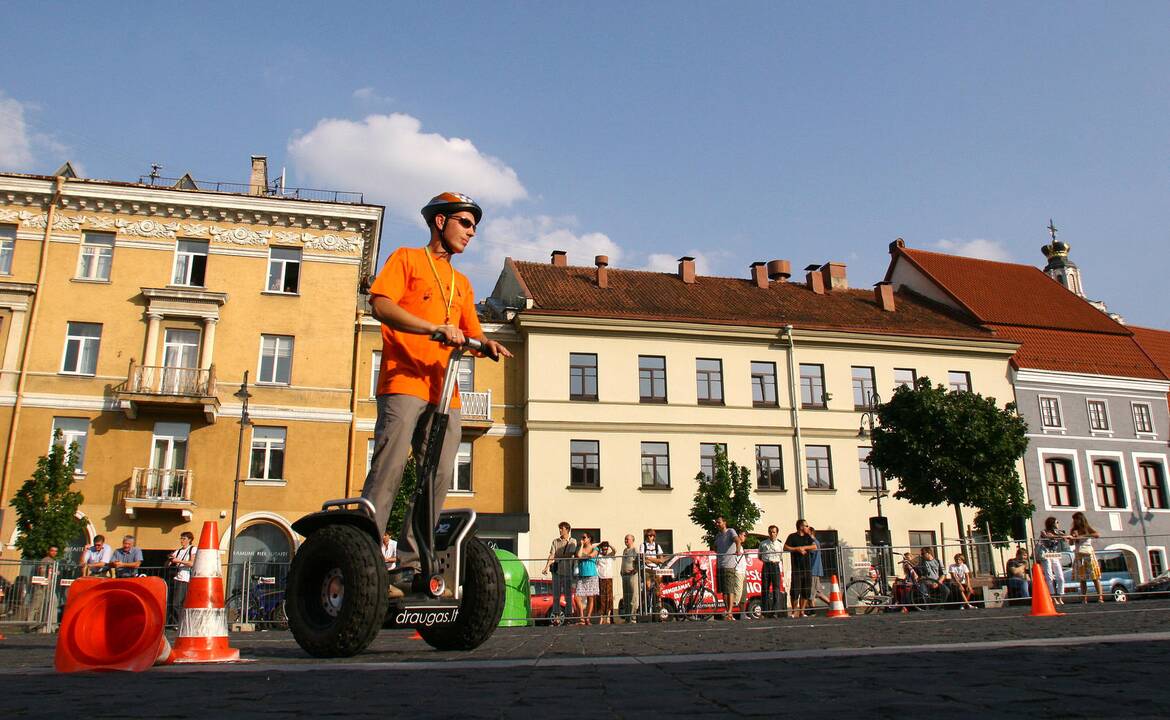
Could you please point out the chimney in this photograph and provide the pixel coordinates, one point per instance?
(883, 294)
(779, 270)
(816, 282)
(834, 276)
(897, 245)
(602, 263)
(560, 258)
(759, 273)
(686, 269)
(258, 183)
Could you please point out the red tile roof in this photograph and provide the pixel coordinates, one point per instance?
(1156, 344)
(1079, 352)
(640, 295)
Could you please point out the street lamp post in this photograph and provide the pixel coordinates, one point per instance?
(245, 421)
(869, 418)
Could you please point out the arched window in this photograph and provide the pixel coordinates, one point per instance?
(1153, 485)
(1107, 481)
(1058, 478)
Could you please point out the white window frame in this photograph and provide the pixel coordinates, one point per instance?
(466, 369)
(69, 436)
(1161, 550)
(82, 341)
(1153, 431)
(260, 379)
(1161, 458)
(913, 373)
(369, 455)
(1043, 454)
(283, 270)
(7, 248)
(186, 281)
(1108, 429)
(95, 274)
(375, 368)
(1118, 458)
(966, 373)
(268, 445)
(1059, 412)
(463, 456)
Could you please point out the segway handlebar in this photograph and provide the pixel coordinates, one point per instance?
(469, 343)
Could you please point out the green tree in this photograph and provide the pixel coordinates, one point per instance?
(954, 448)
(46, 506)
(727, 494)
(405, 496)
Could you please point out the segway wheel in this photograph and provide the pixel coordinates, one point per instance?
(482, 605)
(336, 596)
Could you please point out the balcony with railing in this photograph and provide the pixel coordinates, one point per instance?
(168, 389)
(477, 408)
(159, 489)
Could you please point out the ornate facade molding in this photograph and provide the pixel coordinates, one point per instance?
(331, 243)
(147, 228)
(240, 236)
(194, 229)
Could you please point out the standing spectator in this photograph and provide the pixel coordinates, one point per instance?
(389, 551)
(46, 568)
(728, 549)
(739, 585)
(1052, 542)
(96, 559)
(48, 562)
(800, 545)
(127, 559)
(817, 570)
(1085, 566)
(960, 576)
(605, 582)
(587, 586)
(631, 585)
(561, 559)
(1017, 576)
(931, 578)
(772, 557)
(182, 559)
(652, 557)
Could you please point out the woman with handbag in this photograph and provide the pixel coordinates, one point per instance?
(1052, 543)
(587, 585)
(1085, 567)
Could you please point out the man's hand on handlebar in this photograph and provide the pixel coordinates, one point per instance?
(452, 335)
(449, 335)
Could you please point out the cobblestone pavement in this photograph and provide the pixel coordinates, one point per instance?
(1096, 661)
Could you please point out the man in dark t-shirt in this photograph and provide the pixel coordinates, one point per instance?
(800, 545)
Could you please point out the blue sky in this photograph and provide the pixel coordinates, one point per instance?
(730, 131)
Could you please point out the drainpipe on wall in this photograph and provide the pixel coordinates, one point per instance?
(58, 189)
(798, 454)
(353, 402)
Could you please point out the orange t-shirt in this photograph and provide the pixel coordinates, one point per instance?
(415, 364)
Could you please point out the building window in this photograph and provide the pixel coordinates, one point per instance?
(665, 538)
(871, 478)
(707, 458)
(709, 379)
(818, 467)
(1107, 480)
(375, 372)
(812, 386)
(1098, 415)
(652, 378)
(81, 348)
(1143, 421)
(275, 359)
(594, 534)
(769, 470)
(923, 539)
(465, 375)
(73, 430)
(656, 464)
(284, 270)
(190, 263)
(1153, 483)
(1157, 562)
(97, 256)
(959, 381)
(584, 463)
(905, 377)
(1050, 412)
(7, 248)
(863, 388)
(764, 384)
(461, 481)
(267, 454)
(582, 376)
(1058, 477)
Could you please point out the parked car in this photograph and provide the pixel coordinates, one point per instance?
(540, 594)
(681, 570)
(1118, 575)
(1159, 587)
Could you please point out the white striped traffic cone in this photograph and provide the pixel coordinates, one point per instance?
(203, 629)
(836, 606)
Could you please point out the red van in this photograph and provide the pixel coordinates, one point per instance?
(688, 586)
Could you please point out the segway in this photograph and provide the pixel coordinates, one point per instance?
(338, 586)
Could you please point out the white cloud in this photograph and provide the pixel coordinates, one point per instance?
(15, 143)
(392, 161)
(977, 248)
(369, 96)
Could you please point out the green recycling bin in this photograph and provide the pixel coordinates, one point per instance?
(517, 604)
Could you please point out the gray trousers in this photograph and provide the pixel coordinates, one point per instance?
(403, 421)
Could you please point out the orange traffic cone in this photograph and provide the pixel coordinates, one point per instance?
(1042, 605)
(836, 606)
(415, 636)
(203, 629)
(113, 625)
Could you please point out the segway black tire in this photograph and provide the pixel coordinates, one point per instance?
(346, 627)
(482, 605)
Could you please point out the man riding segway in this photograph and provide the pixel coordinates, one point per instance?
(426, 308)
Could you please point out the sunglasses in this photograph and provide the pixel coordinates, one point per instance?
(467, 224)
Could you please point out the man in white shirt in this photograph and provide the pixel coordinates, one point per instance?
(772, 557)
(389, 551)
(652, 557)
(96, 560)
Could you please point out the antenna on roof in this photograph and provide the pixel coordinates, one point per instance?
(154, 174)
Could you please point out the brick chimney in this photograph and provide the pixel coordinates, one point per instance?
(560, 258)
(883, 294)
(779, 270)
(602, 263)
(686, 270)
(834, 276)
(258, 183)
(816, 281)
(759, 271)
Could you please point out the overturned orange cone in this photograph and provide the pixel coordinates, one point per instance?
(836, 605)
(113, 625)
(203, 629)
(1042, 605)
